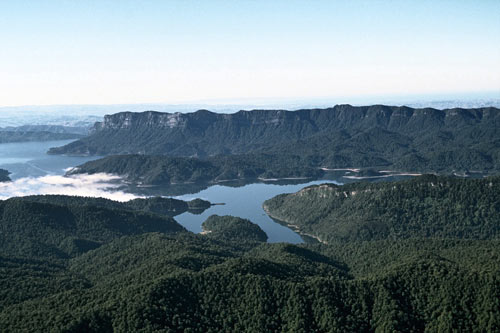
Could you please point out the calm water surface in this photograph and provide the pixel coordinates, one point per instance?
(29, 159)
(246, 202)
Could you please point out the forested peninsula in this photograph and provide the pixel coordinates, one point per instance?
(428, 206)
(163, 170)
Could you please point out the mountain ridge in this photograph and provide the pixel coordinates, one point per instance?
(205, 133)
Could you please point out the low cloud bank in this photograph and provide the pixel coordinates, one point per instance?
(96, 185)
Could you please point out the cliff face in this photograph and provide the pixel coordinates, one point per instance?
(205, 133)
(340, 116)
(131, 120)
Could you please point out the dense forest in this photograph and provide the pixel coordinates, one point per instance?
(196, 283)
(4, 175)
(232, 228)
(158, 205)
(70, 264)
(64, 228)
(424, 207)
(401, 138)
(161, 170)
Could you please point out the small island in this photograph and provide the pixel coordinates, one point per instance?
(233, 228)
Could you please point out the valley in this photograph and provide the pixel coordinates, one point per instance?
(322, 219)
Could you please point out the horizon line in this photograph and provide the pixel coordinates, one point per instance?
(354, 99)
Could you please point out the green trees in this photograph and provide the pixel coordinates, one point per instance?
(49, 230)
(157, 205)
(233, 228)
(162, 170)
(67, 265)
(195, 283)
(424, 207)
(423, 140)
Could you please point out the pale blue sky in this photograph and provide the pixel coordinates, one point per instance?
(86, 52)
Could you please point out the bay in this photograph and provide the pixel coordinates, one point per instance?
(30, 159)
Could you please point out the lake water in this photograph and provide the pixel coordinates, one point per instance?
(29, 159)
(246, 202)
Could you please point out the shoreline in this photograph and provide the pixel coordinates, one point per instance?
(384, 176)
(209, 183)
(294, 227)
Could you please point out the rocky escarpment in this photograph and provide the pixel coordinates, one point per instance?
(204, 133)
(402, 138)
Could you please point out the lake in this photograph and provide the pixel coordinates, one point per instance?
(29, 159)
(236, 198)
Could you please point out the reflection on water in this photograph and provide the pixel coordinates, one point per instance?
(194, 188)
(240, 198)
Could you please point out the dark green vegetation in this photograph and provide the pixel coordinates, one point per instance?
(4, 175)
(343, 136)
(67, 227)
(18, 136)
(424, 207)
(193, 283)
(161, 170)
(233, 228)
(158, 205)
(68, 266)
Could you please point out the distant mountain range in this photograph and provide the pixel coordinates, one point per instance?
(20, 136)
(342, 136)
(58, 129)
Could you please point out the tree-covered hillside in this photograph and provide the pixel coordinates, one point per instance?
(158, 205)
(161, 170)
(71, 266)
(233, 228)
(424, 207)
(195, 283)
(343, 136)
(35, 229)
